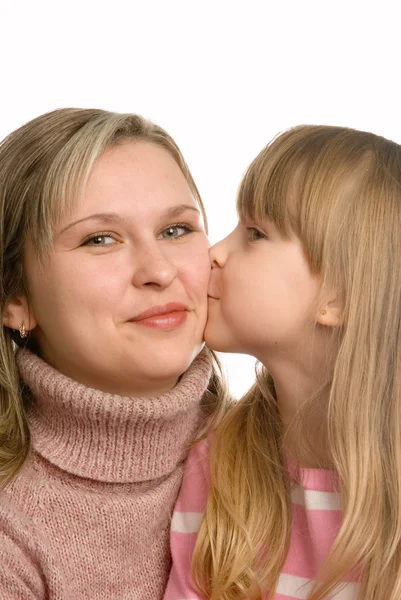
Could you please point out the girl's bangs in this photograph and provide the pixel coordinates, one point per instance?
(268, 189)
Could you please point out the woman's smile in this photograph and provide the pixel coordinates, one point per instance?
(167, 317)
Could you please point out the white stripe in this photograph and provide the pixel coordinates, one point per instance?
(186, 522)
(189, 522)
(299, 587)
(313, 500)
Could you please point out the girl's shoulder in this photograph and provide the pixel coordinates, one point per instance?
(192, 498)
(197, 464)
(186, 520)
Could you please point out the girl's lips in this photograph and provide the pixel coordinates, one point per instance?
(165, 321)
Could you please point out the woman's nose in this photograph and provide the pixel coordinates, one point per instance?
(155, 268)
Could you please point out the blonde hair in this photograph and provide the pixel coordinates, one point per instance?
(44, 167)
(339, 191)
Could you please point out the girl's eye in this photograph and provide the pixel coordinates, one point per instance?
(176, 231)
(255, 234)
(100, 239)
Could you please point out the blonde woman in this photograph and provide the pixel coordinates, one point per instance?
(305, 471)
(104, 273)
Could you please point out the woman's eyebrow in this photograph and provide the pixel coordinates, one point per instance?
(112, 217)
(176, 211)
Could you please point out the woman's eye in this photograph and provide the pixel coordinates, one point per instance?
(100, 239)
(255, 234)
(176, 231)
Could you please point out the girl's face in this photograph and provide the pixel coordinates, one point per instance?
(121, 304)
(262, 294)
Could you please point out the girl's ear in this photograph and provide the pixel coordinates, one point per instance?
(17, 312)
(331, 314)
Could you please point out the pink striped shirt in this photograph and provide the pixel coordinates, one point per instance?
(316, 519)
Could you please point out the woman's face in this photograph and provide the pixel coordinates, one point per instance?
(121, 304)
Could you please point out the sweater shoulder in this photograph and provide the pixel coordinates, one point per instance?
(25, 495)
(25, 555)
(21, 553)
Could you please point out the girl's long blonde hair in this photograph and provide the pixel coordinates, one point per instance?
(339, 190)
(44, 166)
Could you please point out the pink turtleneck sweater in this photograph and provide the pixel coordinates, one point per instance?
(88, 516)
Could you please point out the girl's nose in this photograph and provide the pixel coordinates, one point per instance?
(219, 252)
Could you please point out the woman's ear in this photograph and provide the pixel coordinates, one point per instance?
(331, 314)
(17, 312)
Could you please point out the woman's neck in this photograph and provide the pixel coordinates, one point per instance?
(107, 437)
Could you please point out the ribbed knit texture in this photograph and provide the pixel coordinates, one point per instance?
(88, 516)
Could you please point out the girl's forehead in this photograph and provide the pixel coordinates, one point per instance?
(263, 203)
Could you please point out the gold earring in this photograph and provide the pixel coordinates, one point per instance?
(323, 312)
(23, 334)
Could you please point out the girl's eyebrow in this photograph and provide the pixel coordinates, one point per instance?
(112, 217)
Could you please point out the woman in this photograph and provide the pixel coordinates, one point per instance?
(104, 261)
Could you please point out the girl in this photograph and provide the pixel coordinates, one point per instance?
(305, 471)
(104, 272)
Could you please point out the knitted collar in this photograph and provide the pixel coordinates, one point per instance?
(107, 437)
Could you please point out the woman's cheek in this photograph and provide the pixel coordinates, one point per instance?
(201, 270)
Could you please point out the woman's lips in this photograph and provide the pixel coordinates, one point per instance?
(165, 321)
(167, 316)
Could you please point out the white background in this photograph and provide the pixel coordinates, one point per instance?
(223, 77)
